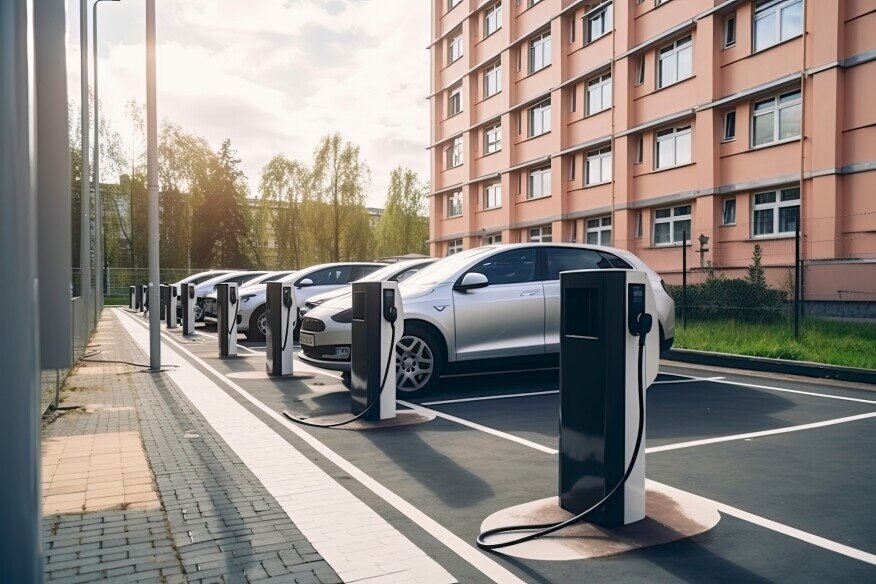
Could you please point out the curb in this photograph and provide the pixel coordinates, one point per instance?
(784, 366)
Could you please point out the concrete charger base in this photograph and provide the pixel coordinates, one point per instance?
(672, 515)
(264, 375)
(402, 418)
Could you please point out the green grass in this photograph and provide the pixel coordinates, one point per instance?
(115, 300)
(850, 344)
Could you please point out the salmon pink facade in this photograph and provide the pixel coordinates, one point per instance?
(635, 123)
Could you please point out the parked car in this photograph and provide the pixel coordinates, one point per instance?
(492, 305)
(247, 291)
(308, 282)
(201, 277)
(208, 286)
(396, 272)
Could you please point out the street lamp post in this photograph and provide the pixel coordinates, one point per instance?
(98, 207)
(85, 190)
(152, 187)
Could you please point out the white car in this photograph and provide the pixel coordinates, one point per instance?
(247, 291)
(208, 286)
(490, 306)
(200, 277)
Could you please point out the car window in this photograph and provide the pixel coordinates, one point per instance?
(562, 259)
(615, 261)
(203, 278)
(242, 278)
(335, 276)
(405, 275)
(509, 267)
(358, 272)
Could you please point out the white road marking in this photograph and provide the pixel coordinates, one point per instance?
(692, 380)
(488, 397)
(463, 549)
(784, 389)
(750, 435)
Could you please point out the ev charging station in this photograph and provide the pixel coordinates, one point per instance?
(171, 295)
(132, 297)
(162, 300)
(139, 298)
(229, 309)
(609, 355)
(187, 297)
(282, 316)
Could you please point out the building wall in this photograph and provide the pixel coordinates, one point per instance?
(832, 148)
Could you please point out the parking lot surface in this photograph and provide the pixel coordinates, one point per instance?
(788, 463)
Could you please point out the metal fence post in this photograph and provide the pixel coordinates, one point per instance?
(797, 277)
(683, 277)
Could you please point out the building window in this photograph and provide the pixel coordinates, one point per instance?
(640, 150)
(776, 21)
(541, 234)
(454, 246)
(493, 138)
(539, 183)
(493, 79)
(540, 118)
(598, 167)
(454, 204)
(639, 226)
(531, 3)
(730, 31)
(598, 23)
(573, 98)
(599, 94)
(540, 52)
(673, 147)
(729, 215)
(730, 125)
(454, 101)
(493, 239)
(451, 4)
(454, 47)
(493, 196)
(640, 70)
(599, 231)
(776, 118)
(775, 212)
(572, 167)
(671, 225)
(454, 153)
(675, 62)
(492, 19)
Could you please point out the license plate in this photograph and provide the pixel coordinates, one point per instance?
(308, 339)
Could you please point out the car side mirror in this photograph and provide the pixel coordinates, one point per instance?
(472, 281)
(305, 283)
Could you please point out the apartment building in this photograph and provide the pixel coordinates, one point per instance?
(637, 123)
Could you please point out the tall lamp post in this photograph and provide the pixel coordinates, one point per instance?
(98, 207)
(152, 187)
(85, 190)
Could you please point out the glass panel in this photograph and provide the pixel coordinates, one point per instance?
(605, 237)
(763, 128)
(665, 153)
(593, 238)
(682, 149)
(594, 99)
(788, 219)
(546, 182)
(685, 66)
(662, 213)
(765, 104)
(606, 168)
(667, 70)
(508, 267)
(730, 126)
(661, 233)
(593, 171)
(606, 221)
(606, 94)
(791, 194)
(789, 121)
(788, 97)
(681, 211)
(681, 230)
(764, 198)
(792, 20)
(592, 223)
(765, 32)
(729, 212)
(763, 222)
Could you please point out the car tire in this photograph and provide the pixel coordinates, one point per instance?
(258, 323)
(419, 360)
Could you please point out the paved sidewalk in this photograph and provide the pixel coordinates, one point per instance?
(139, 488)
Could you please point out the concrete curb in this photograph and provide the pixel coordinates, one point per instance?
(784, 366)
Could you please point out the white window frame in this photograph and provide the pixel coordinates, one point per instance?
(673, 134)
(541, 112)
(454, 48)
(674, 217)
(640, 71)
(727, 209)
(542, 234)
(454, 204)
(639, 227)
(572, 163)
(451, 4)
(454, 101)
(493, 138)
(539, 52)
(493, 79)
(598, 165)
(776, 110)
(492, 239)
(599, 94)
(492, 14)
(730, 30)
(727, 115)
(674, 53)
(775, 206)
(538, 183)
(601, 228)
(639, 156)
(454, 246)
(493, 196)
(454, 153)
(773, 8)
(603, 17)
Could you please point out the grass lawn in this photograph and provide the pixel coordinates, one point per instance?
(845, 343)
(115, 300)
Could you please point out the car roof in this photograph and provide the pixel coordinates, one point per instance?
(310, 269)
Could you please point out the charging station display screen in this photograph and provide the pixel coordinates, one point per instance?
(358, 305)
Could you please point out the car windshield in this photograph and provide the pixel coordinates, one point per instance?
(386, 272)
(447, 267)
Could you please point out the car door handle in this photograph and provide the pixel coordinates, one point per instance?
(529, 293)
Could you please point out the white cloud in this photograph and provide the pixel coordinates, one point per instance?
(274, 76)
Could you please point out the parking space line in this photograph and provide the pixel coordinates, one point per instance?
(750, 435)
(784, 389)
(484, 564)
(480, 427)
(689, 380)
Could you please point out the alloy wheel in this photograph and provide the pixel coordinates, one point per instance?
(199, 310)
(262, 323)
(414, 364)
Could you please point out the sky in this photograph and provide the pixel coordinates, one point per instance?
(274, 76)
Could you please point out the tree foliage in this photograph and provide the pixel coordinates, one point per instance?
(284, 187)
(404, 227)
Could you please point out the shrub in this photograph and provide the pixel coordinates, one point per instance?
(722, 298)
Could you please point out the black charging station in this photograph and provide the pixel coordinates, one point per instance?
(170, 302)
(282, 314)
(132, 297)
(187, 299)
(162, 301)
(229, 308)
(372, 353)
(139, 299)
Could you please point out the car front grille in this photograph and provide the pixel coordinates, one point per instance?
(312, 324)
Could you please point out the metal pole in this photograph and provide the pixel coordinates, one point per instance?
(21, 553)
(152, 187)
(797, 276)
(683, 277)
(85, 196)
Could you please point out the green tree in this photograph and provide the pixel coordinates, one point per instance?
(755, 270)
(404, 227)
(284, 186)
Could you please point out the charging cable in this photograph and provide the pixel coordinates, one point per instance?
(548, 528)
(389, 366)
(234, 320)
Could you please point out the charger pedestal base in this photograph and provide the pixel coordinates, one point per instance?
(401, 418)
(672, 515)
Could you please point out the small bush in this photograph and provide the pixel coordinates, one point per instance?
(739, 299)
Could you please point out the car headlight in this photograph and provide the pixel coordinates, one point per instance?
(344, 317)
(313, 303)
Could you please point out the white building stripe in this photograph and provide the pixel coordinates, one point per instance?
(324, 532)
